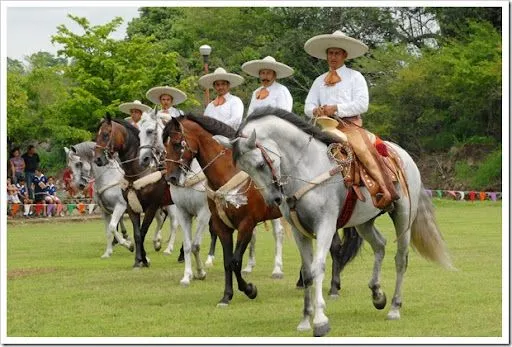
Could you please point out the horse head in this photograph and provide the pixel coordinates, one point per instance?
(81, 169)
(104, 145)
(152, 149)
(180, 148)
(261, 160)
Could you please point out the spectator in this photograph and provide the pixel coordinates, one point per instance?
(17, 165)
(40, 187)
(12, 192)
(52, 190)
(31, 159)
(67, 177)
(24, 197)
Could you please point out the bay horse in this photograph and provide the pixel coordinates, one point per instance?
(188, 137)
(284, 154)
(108, 195)
(145, 189)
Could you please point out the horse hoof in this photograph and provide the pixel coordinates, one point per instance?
(247, 270)
(184, 283)
(157, 246)
(334, 296)
(304, 325)
(106, 256)
(393, 315)
(251, 291)
(140, 265)
(200, 276)
(277, 275)
(131, 247)
(321, 329)
(167, 253)
(222, 304)
(208, 264)
(379, 301)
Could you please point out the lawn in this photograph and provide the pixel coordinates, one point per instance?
(57, 285)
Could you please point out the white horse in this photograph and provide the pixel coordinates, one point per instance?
(284, 154)
(152, 148)
(190, 201)
(108, 194)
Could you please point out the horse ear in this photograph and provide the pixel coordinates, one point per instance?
(66, 150)
(251, 142)
(224, 141)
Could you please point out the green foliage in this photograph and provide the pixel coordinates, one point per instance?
(485, 175)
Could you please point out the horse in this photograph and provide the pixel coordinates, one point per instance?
(190, 201)
(108, 195)
(150, 151)
(284, 155)
(233, 206)
(145, 190)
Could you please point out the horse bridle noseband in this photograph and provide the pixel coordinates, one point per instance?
(184, 147)
(108, 149)
(157, 155)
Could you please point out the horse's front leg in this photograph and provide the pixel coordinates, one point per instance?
(245, 233)
(149, 214)
(173, 229)
(213, 242)
(160, 217)
(137, 237)
(305, 246)
(225, 234)
(185, 220)
(202, 220)
(108, 234)
(325, 230)
(278, 259)
(336, 266)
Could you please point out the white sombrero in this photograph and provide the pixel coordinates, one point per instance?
(127, 106)
(253, 67)
(155, 93)
(220, 74)
(317, 46)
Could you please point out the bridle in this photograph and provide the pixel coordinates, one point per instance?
(108, 149)
(184, 146)
(158, 156)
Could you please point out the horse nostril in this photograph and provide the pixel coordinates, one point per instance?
(81, 186)
(173, 180)
(278, 200)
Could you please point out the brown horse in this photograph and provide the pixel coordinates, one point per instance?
(144, 189)
(191, 136)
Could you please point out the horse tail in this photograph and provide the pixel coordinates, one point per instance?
(426, 237)
(349, 247)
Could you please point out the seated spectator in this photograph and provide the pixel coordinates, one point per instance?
(52, 190)
(12, 193)
(40, 188)
(24, 197)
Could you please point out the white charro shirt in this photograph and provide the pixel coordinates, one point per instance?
(171, 113)
(350, 94)
(279, 96)
(230, 112)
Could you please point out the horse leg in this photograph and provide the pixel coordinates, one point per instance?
(336, 266)
(213, 242)
(323, 242)
(117, 219)
(137, 236)
(185, 220)
(173, 228)
(201, 224)
(160, 217)
(149, 214)
(225, 235)
(123, 227)
(245, 232)
(305, 246)
(378, 243)
(401, 259)
(108, 235)
(252, 256)
(278, 259)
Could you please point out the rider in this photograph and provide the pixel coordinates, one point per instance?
(342, 93)
(226, 107)
(167, 97)
(135, 109)
(270, 93)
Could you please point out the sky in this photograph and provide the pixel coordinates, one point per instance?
(29, 29)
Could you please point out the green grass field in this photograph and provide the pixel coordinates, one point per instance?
(57, 285)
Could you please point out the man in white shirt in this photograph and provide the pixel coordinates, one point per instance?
(166, 97)
(271, 93)
(342, 94)
(135, 110)
(226, 107)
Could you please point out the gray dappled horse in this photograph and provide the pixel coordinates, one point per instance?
(283, 153)
(107, 194)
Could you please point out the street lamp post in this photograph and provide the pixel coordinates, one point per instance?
(205, 51)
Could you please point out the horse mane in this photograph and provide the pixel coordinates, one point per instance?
(209, 124)
(84, 149)
(290, 117)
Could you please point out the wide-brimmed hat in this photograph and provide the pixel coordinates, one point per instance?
(220, 74)
(253, 67)
(127, 106)
(317, 46)
(155, 93)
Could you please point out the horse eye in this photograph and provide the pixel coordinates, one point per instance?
(105, 137)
